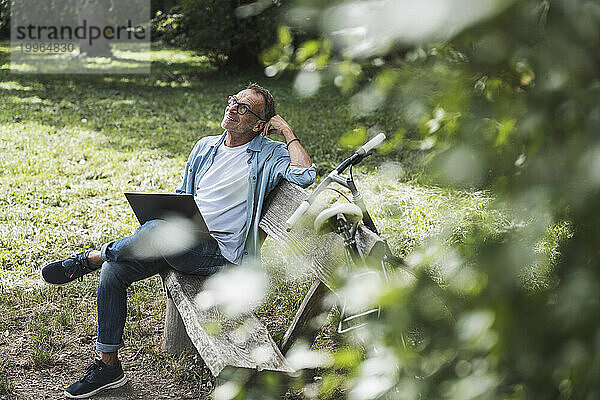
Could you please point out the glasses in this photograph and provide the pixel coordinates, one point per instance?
(241, 107)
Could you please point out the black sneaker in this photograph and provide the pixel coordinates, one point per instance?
(65, 271)
(98, 377)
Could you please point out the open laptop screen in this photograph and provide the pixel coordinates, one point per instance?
(149, 206)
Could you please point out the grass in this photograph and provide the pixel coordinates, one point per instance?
(69, 147)
(42, 346)
(5, 382)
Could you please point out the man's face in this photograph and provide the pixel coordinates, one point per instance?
(235, 123)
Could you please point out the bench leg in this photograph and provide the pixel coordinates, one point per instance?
(175, 340)
(302, 327)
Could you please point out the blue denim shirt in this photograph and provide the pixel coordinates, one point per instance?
(269, 162)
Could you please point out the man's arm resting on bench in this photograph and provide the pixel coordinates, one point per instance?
(295, 164)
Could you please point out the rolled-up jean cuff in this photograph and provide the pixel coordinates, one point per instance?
(108, 348)
(103, 251)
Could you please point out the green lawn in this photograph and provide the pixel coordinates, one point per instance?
(71, 145)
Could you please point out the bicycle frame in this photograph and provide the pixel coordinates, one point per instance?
(348, 233)
(348, 182)
(356, 199)
(352, 251)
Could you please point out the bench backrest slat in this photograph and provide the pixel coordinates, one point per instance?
(323, 253)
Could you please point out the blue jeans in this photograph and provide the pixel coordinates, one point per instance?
(123, 265)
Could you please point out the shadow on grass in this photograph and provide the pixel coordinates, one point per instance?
(181, 100)
(163, 110)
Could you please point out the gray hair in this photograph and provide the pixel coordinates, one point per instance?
(268, 111)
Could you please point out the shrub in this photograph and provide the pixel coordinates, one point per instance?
(231, 32)
(167, 27)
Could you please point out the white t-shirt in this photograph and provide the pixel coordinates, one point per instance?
(222, 195)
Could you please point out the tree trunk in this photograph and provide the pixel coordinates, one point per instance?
(93, 13)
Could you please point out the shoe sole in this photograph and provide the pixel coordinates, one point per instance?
(111, 385)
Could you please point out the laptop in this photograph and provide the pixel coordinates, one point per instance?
(149, 206)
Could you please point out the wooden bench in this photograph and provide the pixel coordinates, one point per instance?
(244, 341)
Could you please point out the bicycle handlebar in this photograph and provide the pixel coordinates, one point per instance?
(297, 214)
(355, 158)
(376, 141)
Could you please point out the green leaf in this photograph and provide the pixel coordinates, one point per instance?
(505, 128)
(354, 138)
(285, 36)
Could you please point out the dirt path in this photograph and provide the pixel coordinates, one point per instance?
(145, 381)
(47, 338)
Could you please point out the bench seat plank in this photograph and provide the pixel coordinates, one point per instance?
(241, 342)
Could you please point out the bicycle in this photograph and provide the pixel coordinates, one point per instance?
(344, 218)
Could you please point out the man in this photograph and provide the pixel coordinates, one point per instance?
(230, 176)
